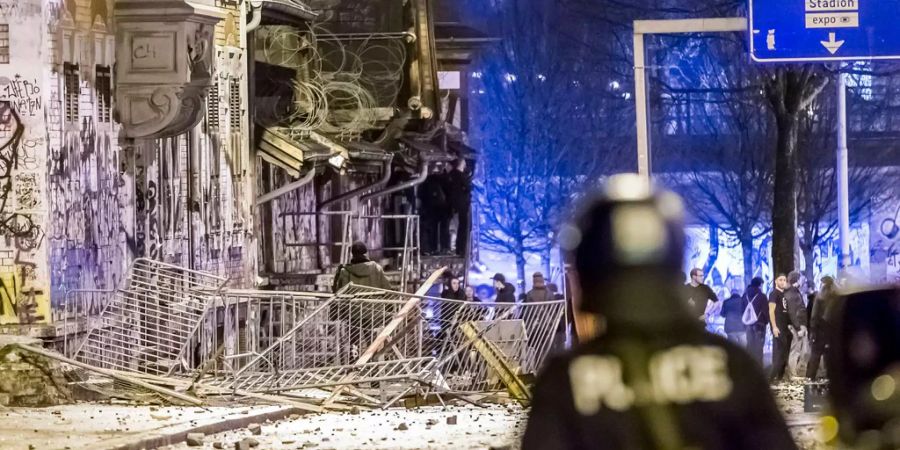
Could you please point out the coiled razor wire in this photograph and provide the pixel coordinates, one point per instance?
(340, 82)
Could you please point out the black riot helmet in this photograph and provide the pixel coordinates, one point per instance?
(627, 244)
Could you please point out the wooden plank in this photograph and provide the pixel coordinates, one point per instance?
(386, 332)
(111, 374)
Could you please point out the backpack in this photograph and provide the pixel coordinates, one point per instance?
(750, 316)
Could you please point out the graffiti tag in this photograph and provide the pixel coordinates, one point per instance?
(24, 95)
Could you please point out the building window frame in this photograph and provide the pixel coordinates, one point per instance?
(72, 89)
(104, 93)
(4, 43)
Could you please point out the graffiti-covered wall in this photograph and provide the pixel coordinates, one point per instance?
(885, 238)
(78, 202)
(24, 280)
(86, 184)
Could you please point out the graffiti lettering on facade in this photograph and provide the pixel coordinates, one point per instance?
(27, 191)
(17, 9)
(22, 94)
(11, 130)
(20, 300)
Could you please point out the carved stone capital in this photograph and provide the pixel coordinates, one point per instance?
(164, 65)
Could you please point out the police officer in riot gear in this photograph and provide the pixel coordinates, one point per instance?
(652, 378)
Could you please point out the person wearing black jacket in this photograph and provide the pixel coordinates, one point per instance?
(756, 332)
(460, 197)
(819, 325)
(506, 293)
(653, 379)
(732, 310)
(434, 211)
(455, 294)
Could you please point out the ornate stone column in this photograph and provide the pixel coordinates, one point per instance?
(164, 53)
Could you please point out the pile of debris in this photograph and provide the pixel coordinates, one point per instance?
(27, 378)
(176, 336)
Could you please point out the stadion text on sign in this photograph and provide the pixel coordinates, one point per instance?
(824, 30)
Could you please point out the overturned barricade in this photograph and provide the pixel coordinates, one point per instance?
(371, 346)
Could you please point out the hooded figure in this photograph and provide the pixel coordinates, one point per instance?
(652, 378)
(539, 291)
(361, 271)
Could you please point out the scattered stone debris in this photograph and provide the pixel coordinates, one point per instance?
(161, 416)
(218, 445)
(402, 427)
(195, 439)
(451, 420)
(354, 410)
(255, 429)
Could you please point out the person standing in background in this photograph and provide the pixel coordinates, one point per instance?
(756, 332)
(700, 297)
(732, 310)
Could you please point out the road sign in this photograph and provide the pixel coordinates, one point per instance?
(824, 30)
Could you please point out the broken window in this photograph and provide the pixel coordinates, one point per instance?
(104, 94)
(70, 73)
(4, 43)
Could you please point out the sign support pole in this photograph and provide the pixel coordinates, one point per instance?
(841, 172)
(640, 107)
(677, 26)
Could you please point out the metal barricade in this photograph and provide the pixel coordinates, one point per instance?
(80, 313)
(150, 325)
(177, 322)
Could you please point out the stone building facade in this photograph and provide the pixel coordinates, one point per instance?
(80, 199)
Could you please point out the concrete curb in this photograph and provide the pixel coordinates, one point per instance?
(177, 437)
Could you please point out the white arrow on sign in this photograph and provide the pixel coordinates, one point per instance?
(831, 44)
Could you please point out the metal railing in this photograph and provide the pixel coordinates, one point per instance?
(80, 313)
(149, 326)
(326, 340)
(176, 322)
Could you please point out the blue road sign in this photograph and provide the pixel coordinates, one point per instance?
(824, 30)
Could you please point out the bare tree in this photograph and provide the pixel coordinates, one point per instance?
(546, 134)
(817, 174)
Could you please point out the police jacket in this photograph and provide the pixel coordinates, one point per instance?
(676, 389)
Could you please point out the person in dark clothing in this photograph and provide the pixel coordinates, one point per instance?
(756, 331)
(732, 310)
(454, 290)
(434, 211)
(699, 295)
(820, 325)
(796, 307)
(506, 293)
(781, 337)
(361, 271)
(539, 290)
(460, 197)
(654, 379)
(790, 318)
(454, 294)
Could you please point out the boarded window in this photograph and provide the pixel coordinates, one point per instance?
(4, 43)
(70, 73)
(104, 94)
